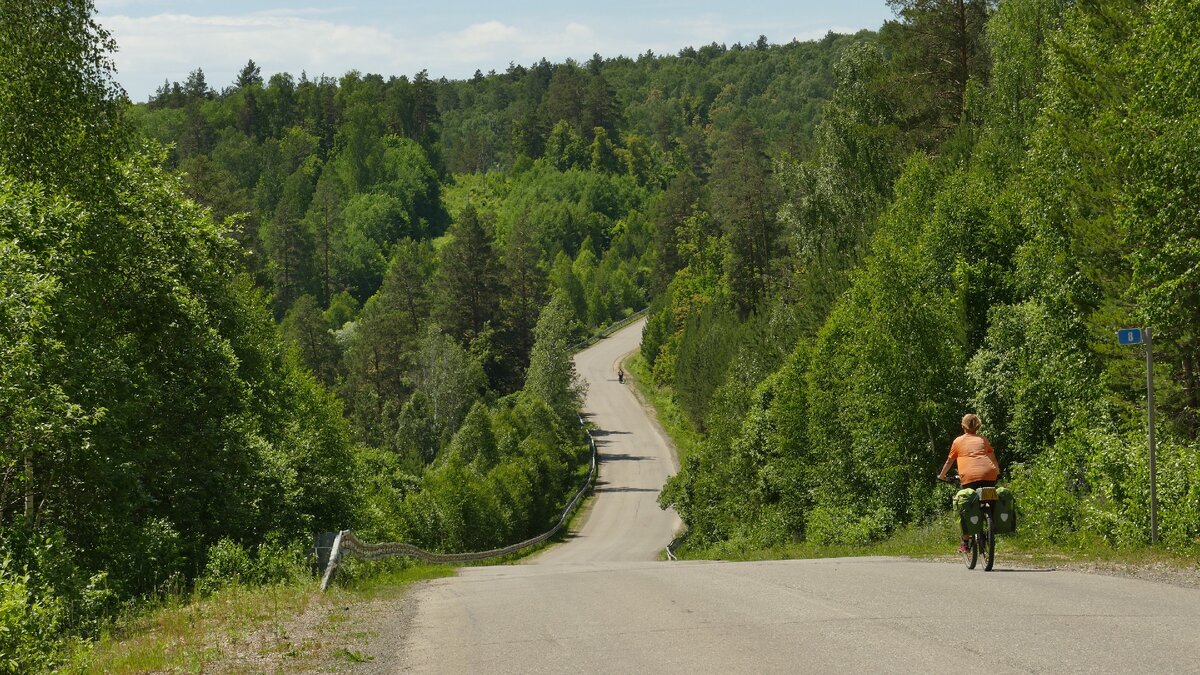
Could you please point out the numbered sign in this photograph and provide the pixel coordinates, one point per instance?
(1130, 336)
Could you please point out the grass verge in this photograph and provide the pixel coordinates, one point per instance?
(919, 541)
(938, 540)
(285, 627)
(662, 402)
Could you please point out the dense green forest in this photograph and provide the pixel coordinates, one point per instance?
(232, 318)
(993, 190)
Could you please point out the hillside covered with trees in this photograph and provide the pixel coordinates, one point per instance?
(233, 317)
(993, 190)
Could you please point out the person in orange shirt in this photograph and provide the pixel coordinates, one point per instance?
(977, 465)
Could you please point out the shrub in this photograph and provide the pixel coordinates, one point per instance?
(228, 562)
(842, 525)
(29, 624)
(231, 563)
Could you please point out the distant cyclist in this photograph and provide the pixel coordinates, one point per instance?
(977, 465)
(620, 375)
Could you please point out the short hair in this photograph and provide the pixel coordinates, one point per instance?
(971, 422)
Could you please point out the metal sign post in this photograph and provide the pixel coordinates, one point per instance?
(1150, 433)
(1136, 336)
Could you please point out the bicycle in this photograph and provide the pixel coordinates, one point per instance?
(983, 541)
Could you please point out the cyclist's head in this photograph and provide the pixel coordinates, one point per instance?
(971, 423)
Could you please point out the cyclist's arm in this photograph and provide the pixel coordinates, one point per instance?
(946, 467)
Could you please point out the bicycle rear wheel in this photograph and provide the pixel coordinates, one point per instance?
(989, 535)
(971, 555)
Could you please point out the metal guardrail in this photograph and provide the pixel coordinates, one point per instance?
(672, 546)
(609, 330)
(347, 544)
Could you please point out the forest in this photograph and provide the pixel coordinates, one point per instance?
(993, 190)
(232, 316)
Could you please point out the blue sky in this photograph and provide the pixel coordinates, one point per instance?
(160, 39)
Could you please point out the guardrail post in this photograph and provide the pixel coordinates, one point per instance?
(322, 546)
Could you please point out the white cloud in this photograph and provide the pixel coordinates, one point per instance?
(170, 45)
(494, 44)
(487, 33)
(106, 6)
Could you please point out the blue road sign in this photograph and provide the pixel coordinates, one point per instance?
(1130, 336)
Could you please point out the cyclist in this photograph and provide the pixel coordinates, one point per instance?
(977, 465)
(620, 375)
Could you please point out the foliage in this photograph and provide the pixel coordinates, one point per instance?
(987, 275)
(28, 624)
(551, 375)
(149, 406)
(230, 563)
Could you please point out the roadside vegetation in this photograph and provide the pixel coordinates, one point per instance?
(969, 241)
(670, 417)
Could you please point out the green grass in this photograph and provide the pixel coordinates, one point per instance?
(672, 418)
(204, 634)
(939, 540)
(383, 579)
(930, 540)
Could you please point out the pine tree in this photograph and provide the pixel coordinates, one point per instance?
(467, 281)
(524, 280)
(324, 219)
(939, 46)
(744, 201)
(305, 327)
(669, 212)
(249, 76)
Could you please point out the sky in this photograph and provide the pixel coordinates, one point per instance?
(163, 40)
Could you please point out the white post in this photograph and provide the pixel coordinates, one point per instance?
(335, 555)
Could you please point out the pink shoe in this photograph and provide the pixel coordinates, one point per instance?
(964, 547)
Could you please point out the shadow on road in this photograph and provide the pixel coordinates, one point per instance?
(999, 569)
(626, 489)
(623, 458)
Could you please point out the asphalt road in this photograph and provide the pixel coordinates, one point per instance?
(601, 602)
(624, 522)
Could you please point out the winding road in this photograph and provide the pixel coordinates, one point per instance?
(603, 602)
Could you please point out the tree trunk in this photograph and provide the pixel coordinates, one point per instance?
(29, 508)
(1192, 392)
(963, 63)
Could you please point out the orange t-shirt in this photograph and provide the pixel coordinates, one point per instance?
(976, 459)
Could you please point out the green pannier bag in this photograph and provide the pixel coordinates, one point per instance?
(970, 517)
(1004, 513)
